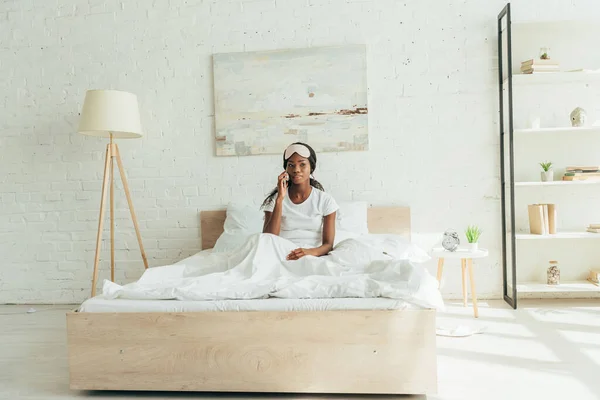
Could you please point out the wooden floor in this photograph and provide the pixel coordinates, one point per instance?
(545, 350)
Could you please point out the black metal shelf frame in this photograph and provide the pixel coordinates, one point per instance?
(507, 177)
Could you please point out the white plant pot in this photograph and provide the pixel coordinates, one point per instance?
(473, 246)
(547, 176)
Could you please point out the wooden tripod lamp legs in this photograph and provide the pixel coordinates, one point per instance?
(112, 151)
(101, 220)
(133, 217)
(112, 216)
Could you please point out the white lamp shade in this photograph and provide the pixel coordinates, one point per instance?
(107, 112)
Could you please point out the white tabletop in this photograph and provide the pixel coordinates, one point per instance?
(461, 252)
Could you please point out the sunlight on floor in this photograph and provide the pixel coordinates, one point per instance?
(548, 350)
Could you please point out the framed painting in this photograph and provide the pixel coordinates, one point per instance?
(266, 100)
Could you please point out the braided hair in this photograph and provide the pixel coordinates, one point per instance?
(312, 159)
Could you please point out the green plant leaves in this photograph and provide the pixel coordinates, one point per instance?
(473, 233)
(546, 165)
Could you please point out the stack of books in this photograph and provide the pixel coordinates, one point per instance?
(535, 66)
(594, 228)
(542, 219)
(581, 173)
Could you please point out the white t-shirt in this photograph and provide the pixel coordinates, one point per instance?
(303, 223)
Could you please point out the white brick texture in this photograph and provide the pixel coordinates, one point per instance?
(432, 85)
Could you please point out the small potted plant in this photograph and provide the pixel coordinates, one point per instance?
(473, 233)
(547, 173)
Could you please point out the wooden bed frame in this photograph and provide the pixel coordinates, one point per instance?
(377, 352)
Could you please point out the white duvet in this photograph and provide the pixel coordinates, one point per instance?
(259, 269)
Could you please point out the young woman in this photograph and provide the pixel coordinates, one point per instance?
(298, 209)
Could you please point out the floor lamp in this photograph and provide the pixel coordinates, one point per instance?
(115, 115)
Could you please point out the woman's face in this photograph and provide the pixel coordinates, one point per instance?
(298, 168)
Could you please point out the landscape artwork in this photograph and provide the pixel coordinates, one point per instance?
(266, 100)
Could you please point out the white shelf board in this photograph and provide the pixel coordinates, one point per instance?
(566, 130)
(563, 287)
(590, 24)
(564, 290)
(559, 235)
(542, 78)
(560, 183)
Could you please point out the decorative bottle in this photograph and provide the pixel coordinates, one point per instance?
(553, 273)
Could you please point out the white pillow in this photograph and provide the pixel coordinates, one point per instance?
(242, 221)
(352, 217)
(243, 218)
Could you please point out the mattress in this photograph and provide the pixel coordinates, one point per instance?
(100, 304)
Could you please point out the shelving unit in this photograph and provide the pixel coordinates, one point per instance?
(551, 96)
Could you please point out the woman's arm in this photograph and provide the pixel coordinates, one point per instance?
(328, 235)
(328, 240)
(273, 219)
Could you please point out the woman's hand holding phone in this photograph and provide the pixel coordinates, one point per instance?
(282, 184)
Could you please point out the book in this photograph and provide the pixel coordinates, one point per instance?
(582, 173)
(580, 178)
(552, 218)
(588, 168)
(546, 219)
(542, 218)
(536, 219)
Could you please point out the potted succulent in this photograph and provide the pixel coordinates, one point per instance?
(547, 173)
(473, 233)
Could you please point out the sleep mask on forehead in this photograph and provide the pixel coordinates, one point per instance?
(296, 148)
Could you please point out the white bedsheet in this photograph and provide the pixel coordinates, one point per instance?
(100, 304)
(259, 270)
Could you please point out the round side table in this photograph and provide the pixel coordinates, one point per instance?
(466, 257)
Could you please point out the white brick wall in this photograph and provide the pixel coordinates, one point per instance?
(432, 85)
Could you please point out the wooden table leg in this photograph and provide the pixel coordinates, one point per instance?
(463, 265)
(473, 295)
(439, 271)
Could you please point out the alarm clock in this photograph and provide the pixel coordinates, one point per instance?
(450, 241)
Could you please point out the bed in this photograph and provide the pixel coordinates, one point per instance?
(375, 346)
